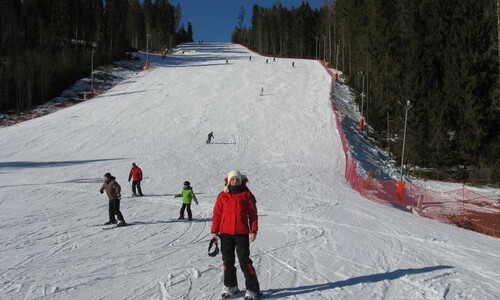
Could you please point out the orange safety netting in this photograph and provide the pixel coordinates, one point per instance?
(462, 207)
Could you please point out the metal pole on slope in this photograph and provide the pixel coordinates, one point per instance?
(316, 48)
(407, 107)
(367, 102)
(388, 135)
(147, 47)
(324, 48)
(337, 59)
(92, 73)
(361, 122)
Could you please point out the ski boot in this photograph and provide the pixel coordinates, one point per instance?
(228, 292)
(251, 295)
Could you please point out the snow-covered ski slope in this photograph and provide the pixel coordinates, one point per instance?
(318, 239)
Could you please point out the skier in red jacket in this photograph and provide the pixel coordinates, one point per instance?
(235, 222)
(136, 176)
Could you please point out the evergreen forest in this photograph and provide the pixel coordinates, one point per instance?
(441, 56)
(46, 45)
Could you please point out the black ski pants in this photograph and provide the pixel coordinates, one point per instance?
(183, 208)
(114, 209)
(240, 243)
(138, 185)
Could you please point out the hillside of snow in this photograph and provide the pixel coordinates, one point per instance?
(318, 238)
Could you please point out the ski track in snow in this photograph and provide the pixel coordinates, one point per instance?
(318, 238)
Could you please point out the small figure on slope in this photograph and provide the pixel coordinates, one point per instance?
(136, 176)
(113, 190)
(235, 222)
(261, 91)
(210, 137)
(187, 195)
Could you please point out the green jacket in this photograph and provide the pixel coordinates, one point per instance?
(188, 195)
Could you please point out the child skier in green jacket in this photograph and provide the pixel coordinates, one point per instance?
(187, 195)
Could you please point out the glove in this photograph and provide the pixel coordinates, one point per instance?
(102, 192)
(214, 235)
(196, 201)
(129, 180)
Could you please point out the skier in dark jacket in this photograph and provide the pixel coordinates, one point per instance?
(210, 137)
(113, 190)
(136, 176)
(235, 222)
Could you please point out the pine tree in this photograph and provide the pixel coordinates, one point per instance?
(116, 38)
(189, 33)
(135, 24)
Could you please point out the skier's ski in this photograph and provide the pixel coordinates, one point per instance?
(262, 295)
(111, 227)
(116, 226)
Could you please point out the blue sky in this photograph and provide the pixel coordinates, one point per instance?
(214, 20)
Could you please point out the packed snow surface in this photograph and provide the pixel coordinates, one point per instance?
(318, 238)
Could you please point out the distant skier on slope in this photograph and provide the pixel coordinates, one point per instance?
(261, 91)
(210, 137)
(113, 190)
(187, 195)
(235, 222)
(136, 176)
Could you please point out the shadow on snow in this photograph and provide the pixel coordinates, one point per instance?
(47, 164)
(199, 55)
(294, 291)
(221, 143)
(195, 220)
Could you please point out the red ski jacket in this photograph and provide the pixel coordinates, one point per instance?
(135, 174)
(235, 214)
